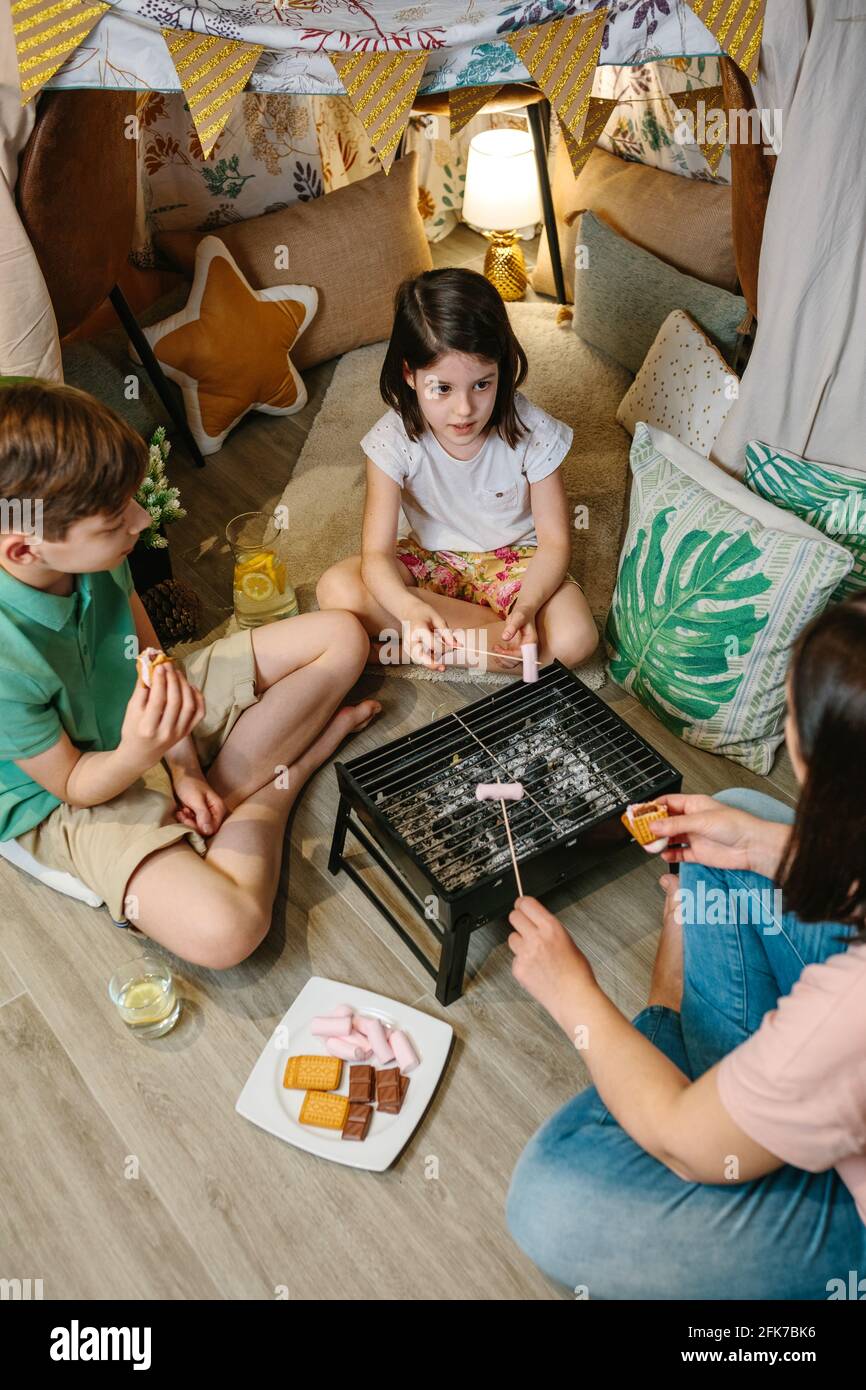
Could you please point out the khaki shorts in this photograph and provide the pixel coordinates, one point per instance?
(104, 845)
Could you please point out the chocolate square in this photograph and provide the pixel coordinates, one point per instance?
(391, 1090)
(357, 1122)
(362, 1085)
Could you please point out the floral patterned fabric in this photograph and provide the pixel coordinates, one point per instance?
(489, 577)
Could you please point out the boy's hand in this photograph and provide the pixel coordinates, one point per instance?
(519, 629)
(199, 806)
(158, 718)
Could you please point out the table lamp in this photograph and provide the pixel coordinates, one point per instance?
(501, 195)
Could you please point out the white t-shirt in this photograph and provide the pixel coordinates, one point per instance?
(480, 503)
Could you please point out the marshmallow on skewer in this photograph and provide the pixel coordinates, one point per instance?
(529, 653)
(499, 791)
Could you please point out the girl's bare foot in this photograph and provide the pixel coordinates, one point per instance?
(666, 985)
(348, 720)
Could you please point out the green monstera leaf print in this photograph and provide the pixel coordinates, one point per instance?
(672, 651)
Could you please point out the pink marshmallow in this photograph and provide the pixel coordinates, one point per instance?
(331, 1025)
(349, 1051)
(499, 791)
(529, 652)
(407, 1057)
(375, 1035)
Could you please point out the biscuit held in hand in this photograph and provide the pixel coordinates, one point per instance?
(147, 661)
(639, 817)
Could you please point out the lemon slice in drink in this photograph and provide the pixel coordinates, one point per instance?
(257, 586)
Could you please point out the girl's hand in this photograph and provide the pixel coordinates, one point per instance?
(427, 635)
(546, 962)
(519, 629)
(706, 831)
(199, 806)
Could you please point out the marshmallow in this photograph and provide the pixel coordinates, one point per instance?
(147, 662)
(374, 1034)
(333, 1025)
(349, 1051)
(529, 652)
(407, 1057)
(499, 791)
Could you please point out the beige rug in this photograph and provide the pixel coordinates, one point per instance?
(325, 495)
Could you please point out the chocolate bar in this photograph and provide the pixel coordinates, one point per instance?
(391, 1090)
(357, 1121)
(362, 1085)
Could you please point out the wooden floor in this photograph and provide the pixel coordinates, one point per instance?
(124, 1170)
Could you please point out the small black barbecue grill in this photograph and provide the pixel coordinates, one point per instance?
(447, 852)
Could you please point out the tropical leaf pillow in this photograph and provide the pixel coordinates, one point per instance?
(714, 585)
(828, 499)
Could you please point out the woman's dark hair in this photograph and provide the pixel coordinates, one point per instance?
(452, 310)
(823, 873)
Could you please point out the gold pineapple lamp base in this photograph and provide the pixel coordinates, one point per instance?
(504, 265)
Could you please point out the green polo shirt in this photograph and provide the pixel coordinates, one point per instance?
(65, 663)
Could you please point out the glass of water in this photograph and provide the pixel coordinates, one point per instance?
(145, 997)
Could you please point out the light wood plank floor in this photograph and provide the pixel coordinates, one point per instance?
(124, 1170)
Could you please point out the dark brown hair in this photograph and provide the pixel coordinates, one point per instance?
(823, 873)
(66, 448)
(452, 310)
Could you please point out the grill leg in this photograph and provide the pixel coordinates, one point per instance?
(338, 843)
(452, 962)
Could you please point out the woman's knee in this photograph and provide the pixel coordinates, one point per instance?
(756, 804)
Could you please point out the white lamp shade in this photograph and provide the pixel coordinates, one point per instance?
(501, 191)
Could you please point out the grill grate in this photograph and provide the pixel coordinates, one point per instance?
(412, 806)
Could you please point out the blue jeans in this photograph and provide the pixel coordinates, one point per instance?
(595, 1211)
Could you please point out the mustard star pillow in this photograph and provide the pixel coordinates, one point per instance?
(230, 348)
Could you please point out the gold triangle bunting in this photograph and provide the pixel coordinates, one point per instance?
(562, 56)
(466, 102)
(737, 26)
(715, 115)
(381, 88)
(597, 115)
(212, 72)
(46, 33)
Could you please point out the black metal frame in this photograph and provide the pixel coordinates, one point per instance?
(540, 872)
(161, 386)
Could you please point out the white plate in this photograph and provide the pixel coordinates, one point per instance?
(266, 1102)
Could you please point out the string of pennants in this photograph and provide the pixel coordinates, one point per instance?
(560, 55)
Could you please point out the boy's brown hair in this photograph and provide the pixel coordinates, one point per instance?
(63, 446)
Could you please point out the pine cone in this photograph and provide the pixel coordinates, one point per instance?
(175, 610)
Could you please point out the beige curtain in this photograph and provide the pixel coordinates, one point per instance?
(29, 345)
(804, 388)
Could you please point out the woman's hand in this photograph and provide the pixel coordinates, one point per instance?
(199, 806)
(427, 634)
(706, 831)
(546, 962)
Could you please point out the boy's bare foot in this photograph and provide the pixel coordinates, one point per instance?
(666, 985)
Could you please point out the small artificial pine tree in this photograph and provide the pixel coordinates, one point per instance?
(155, 494)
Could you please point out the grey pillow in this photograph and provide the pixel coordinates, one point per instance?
(623, 294)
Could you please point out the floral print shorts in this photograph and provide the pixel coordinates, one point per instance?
(490, 577)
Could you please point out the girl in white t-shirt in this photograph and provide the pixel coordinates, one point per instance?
(482, 566)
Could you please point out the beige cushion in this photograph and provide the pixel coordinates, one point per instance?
(685, 387)
(354, 246)
(686, 222)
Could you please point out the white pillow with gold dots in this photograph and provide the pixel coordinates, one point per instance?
(684, 387)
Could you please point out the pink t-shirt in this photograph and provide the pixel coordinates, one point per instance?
(798, 1085)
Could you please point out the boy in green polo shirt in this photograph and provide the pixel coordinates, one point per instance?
(170, 801)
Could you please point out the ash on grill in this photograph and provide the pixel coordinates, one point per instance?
(461, 839)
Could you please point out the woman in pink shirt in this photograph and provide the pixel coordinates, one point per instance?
(721, 1152)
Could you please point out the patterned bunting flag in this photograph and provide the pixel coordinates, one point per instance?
(713, 103)
(596, 119)
(466, 102)
(46, 33)
(212, 72)
(381, 88)
(562, 56)
(737, 26)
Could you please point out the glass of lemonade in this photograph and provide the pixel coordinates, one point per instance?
(144, 994)
(262, 592)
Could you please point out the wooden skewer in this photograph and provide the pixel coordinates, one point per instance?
(510, 841)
